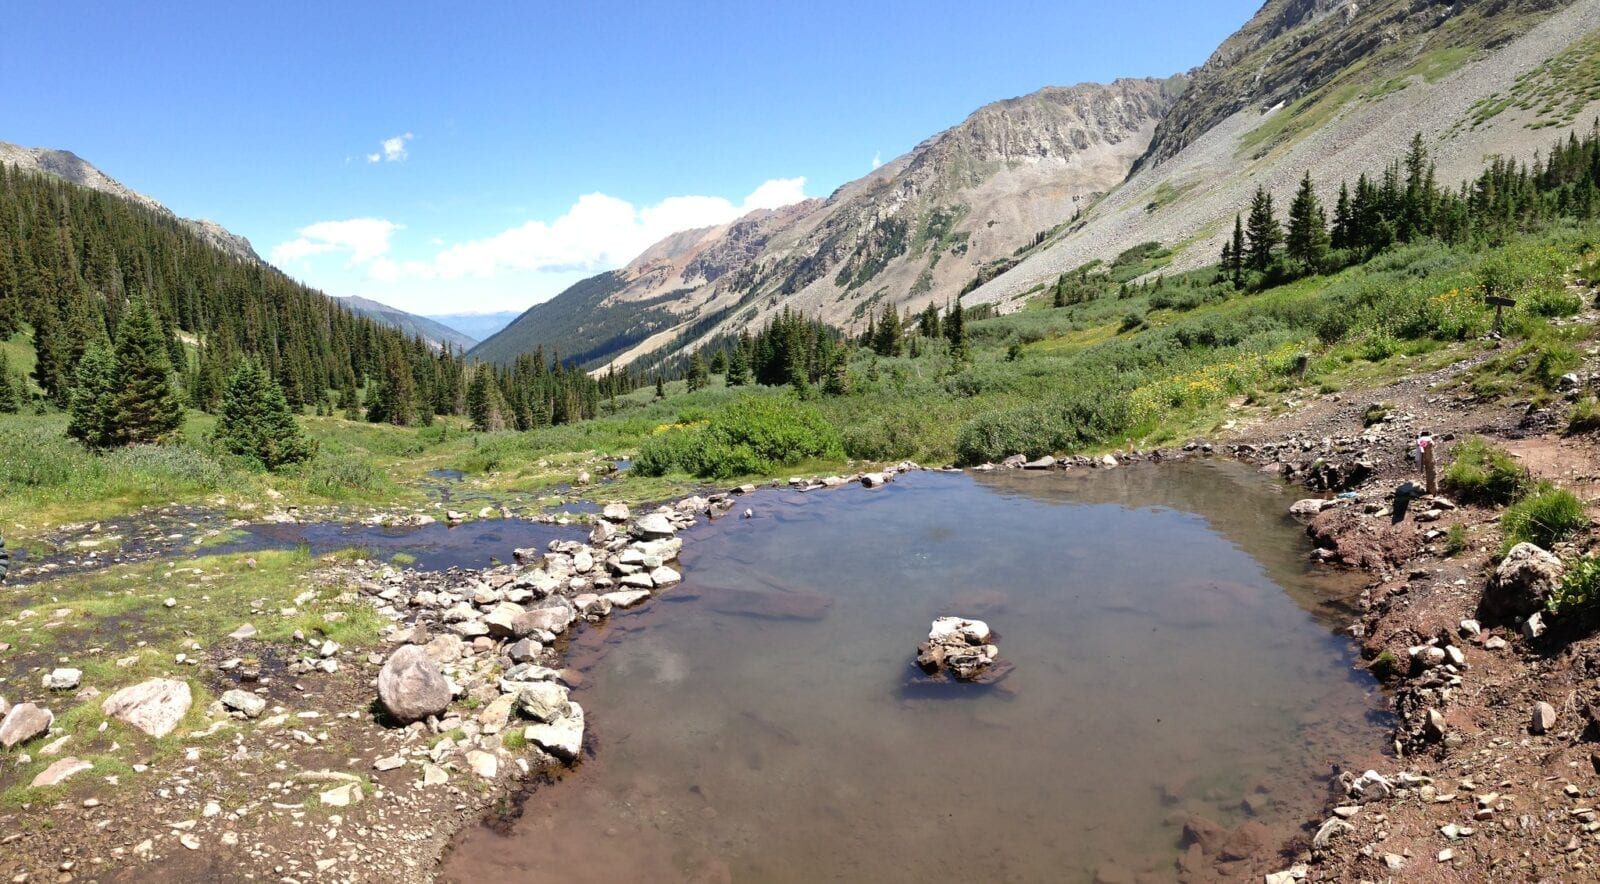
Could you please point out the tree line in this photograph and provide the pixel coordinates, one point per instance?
(119, 297)
(1405, 204)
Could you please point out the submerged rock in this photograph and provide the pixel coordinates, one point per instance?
(962, 648)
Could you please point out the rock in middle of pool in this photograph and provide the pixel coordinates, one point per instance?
(963, 649)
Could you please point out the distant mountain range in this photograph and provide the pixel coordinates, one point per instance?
(477, 326)
(996, 208)
(435, 333)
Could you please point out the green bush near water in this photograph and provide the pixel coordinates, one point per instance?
(752, 436)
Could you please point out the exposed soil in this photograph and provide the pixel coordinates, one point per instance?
(1479, 792)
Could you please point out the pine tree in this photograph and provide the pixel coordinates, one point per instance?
(144, 405)
(837, 381)
(719, 362)
(1237, 253)
(798, 378)
(738, 367)
(661, 387)
(1263, 230)
(485, 404)
(698, 377)
(1343, 220)
(955, 329)
(928, 323)
(10, 398)
(255, 420)
(89, 415)
(887, 341)
(1308, 228)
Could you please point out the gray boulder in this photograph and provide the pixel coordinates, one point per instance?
(654, 526)
(543, 701)
(1522, 582)
(563, 737)
(411, 686)
(24, 722)
(243, 702)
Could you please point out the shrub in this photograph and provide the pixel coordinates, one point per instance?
(1579, 589)
(1585, 416)
(342, 474)
(1455, 540)
(1484, 473)
(1068, 423)
(754, 435)
(1546, 517)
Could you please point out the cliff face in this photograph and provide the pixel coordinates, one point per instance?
(919, 228)
(1335, 90)
(1307, 50)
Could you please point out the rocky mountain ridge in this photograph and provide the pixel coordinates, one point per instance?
(918, 228)
(1337, 91)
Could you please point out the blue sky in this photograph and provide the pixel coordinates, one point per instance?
(450, 158)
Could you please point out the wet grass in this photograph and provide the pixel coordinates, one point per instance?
(114, 625)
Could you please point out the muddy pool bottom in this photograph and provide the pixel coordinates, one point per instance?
(1174, 656)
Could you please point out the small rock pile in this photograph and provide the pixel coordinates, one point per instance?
(962, 649)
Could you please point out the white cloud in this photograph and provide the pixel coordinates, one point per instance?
(364, 239)
(597, 233)
(877, 159)
(393, 150)
(509, 269)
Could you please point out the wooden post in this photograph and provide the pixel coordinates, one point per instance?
(1427, 468)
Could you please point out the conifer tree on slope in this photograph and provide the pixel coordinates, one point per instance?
(10, 396)
(255, 420)
(89, 414)
(1263, 229)
(144, 405)
(1307, 242)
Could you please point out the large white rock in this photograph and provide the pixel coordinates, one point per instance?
(411, 686)
(653, 526)
(62, 679)
(627, 598)
(24, 722)
(155, 706)
(959, 630)
(562, 738)
(58, 773)
(543, 701)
